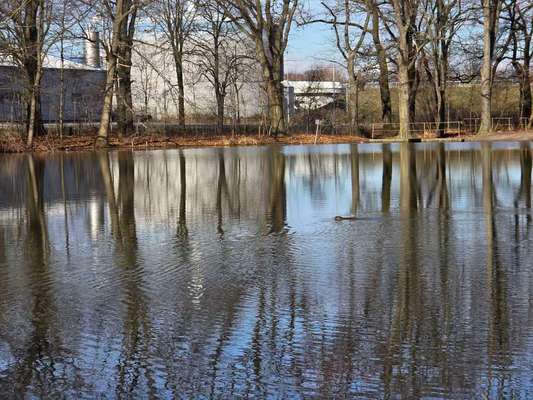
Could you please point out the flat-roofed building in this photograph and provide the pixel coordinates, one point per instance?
(83, 87)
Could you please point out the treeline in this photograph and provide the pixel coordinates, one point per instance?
(439, 41)
(403, 42)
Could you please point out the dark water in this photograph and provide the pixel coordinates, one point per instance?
(221, 273)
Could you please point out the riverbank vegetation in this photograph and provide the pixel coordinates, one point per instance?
(49, 143)
(52, 143)
(407, 68)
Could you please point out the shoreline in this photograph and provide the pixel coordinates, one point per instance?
(10, 143)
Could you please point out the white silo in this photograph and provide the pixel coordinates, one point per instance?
(92, 48)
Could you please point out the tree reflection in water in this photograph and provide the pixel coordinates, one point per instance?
(221, 273)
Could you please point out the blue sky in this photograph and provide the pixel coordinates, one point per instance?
(310, 44)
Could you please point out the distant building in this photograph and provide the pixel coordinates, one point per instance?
(84, 84)
(288, 102)
(155, 89)
(308, 94)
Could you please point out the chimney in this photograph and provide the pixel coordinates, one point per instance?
(92, 49)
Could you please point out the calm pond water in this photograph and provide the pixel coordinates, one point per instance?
(221, 273)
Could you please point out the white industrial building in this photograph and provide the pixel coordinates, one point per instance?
(154, 84)
(83, 86)
(309, 95)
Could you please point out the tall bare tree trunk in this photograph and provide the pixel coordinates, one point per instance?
(441, 91)
(125, 113)
(220, 89)
(352, 103)
(407, 74)
(384, 88)
(485, 125)
(62, 92)
(523, 73)
(525, 96)
(404, 100)
(276, 112)
(178, 21)
(178, 60)
(530, 125)
(237, 102)
(439, 77)
(440, 59)
(33, 39)
(35, 125)
(414, 82)
(220, 98)
(123, 10)
(125, 117)
(62, 72)
(491, 12)
(105, 118)
(268, 24)
(273, 76)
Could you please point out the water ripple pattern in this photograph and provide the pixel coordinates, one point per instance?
(222, 273)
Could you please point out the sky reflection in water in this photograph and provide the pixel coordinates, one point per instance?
(219, 273)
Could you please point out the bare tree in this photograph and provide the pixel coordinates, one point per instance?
(62, 25)
(449, 17)
(354, 30)
(147, 79)
(268, 24)
(521, 20)
(125, 114)
(381, 57)
(492, 56)
(404, 25)
(23, 31)
(350, 38)
(154, 78)
(220, 53)
(177, 19)
(119, 15)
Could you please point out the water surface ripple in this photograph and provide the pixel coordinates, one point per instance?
(221, 273)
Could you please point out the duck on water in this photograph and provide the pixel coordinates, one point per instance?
(346, 218)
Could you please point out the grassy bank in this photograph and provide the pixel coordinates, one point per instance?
(50, 143)
(13, 143)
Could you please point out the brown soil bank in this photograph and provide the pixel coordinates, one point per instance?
(504, 136)
(10, 143)
(49, 143)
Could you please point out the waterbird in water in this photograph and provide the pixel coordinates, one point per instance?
(343, 218)
(354, 218)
